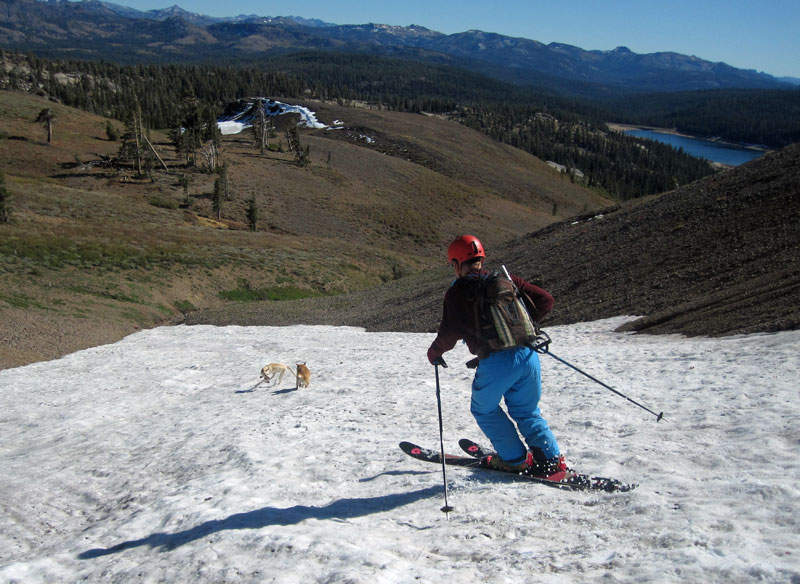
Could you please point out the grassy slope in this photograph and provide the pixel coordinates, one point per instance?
(92, 253)
(716, 257)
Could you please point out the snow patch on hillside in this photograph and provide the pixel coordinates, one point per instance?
(240, 116)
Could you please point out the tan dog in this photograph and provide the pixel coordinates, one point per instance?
(273, 369)
(303, 375)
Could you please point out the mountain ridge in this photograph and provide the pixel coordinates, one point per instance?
(54, 24)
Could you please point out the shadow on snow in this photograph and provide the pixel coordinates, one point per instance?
(266, 516)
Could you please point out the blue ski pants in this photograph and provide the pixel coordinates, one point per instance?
(513, 375)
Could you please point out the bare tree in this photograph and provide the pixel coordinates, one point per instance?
(133, 140)
(211, 139)
(210, 150)
(262, 127)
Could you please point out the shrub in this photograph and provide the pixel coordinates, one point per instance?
(4, 196)
(246, 293)
(162, 202)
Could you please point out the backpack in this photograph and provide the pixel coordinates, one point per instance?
(501, 320)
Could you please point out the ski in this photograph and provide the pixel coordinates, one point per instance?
(429, 455)
(576, 481)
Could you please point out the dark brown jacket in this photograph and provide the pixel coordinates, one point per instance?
(458, 321)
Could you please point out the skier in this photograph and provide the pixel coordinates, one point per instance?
(512, 374)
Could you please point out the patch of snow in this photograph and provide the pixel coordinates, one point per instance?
(242, 118)
(160, 458)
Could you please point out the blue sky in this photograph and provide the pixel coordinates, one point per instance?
(763, 35)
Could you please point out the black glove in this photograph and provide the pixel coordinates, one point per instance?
(541, 344)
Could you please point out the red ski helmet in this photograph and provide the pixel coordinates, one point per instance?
(465, 248)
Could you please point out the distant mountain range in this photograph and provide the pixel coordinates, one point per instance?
(176, 11)
(92, 29)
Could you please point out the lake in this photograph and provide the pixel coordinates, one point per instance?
(713, 151)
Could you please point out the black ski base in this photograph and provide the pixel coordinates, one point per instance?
(477, 459)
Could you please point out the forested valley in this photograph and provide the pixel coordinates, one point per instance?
(766, 117)
(571, 132)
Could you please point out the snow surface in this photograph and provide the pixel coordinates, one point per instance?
(160, 459)
(244, 119)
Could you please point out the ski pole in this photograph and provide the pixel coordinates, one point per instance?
(542, 345)
(447, 508)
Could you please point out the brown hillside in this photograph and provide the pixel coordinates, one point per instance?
(720, 256)
(93, 252)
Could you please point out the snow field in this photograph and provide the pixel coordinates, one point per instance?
(159, 458)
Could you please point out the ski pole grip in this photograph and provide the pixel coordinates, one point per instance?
(541, 344)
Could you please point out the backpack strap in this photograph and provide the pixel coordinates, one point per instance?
(473, 289)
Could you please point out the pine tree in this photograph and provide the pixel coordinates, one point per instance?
(301, 155)
(252, 214)
(304, 156)
(224, 182)
(293, 139)
(45, 118)
(111, 132)
(187, 136)
(4, 200)
(260, 127)
(216, 198)
(183, 181)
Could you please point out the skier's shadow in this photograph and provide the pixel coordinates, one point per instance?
(266, 516)
(394, 473)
